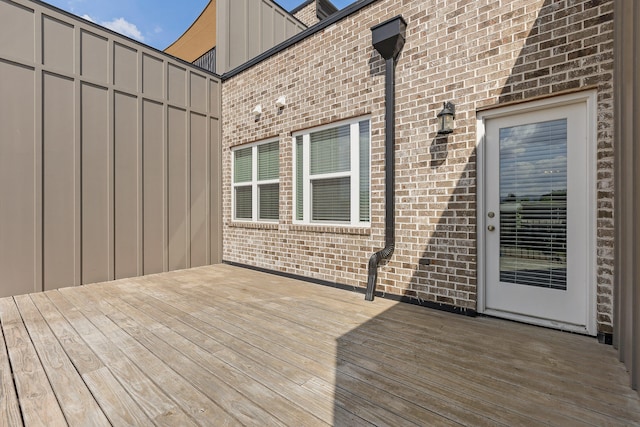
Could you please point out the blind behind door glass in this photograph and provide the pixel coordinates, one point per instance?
(533, 204)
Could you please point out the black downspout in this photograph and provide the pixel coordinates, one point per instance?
(388, 40)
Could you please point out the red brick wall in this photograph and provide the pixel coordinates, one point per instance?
(475, 53)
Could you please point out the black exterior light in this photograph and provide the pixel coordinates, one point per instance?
(445, 118)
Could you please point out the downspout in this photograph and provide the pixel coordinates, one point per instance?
(388, 39)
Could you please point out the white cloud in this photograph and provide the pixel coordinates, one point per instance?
(122, 26)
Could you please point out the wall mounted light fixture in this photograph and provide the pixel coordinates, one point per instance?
(446, 117)
(281, 102)
(257, 111)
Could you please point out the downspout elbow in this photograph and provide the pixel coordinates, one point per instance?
(374, 261)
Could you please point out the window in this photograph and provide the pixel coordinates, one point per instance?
(332, 175)
(255, 182)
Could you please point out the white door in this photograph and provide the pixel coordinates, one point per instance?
(537, 221)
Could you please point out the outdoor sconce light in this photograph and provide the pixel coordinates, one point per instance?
(257, 111)
(281, 102)
(445, 118)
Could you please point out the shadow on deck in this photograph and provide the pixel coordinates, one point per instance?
(222, 345)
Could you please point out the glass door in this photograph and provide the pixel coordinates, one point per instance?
(536, 223)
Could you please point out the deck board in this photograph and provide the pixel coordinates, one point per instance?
(182, 392)
(156, 404)
(117, 405)
(221, 345)
(75, 399)
(36, 397)
(9, 406)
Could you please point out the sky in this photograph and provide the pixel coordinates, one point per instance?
(157, 23)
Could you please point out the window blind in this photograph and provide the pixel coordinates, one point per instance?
(331, 199)
(364, 171)
(533, 204)
(269, 201)
(331, 150)
(268, 161)
(299, 179)
(243, 200)
(243, 165)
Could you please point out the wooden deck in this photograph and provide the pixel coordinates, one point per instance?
(221, 346)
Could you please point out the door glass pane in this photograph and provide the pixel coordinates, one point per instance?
(533, 204)
(331, 200)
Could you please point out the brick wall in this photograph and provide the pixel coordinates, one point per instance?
(474, 53)
(307, 15)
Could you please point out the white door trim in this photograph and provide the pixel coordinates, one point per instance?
(590, 98)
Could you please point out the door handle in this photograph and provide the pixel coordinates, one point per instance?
(491, 228)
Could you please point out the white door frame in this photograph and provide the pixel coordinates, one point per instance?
(590, 98)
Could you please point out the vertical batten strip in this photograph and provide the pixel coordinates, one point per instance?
(139, 172)
(39, 156)
(635, 182)
(77, 160)
(111, 161)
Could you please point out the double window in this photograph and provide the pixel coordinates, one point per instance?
(332, 175)
(256, 186)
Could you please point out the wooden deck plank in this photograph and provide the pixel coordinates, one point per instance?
(452, 398)
(525, 346)
(440, 397)
(384, 341)
(323, 320)
(75, 399)
(234, 355)
(114, 400)
(376, 415)
(80, 354)
(353, 383)
(37, 400)
(209, 337)
(438, 402)
(264, 352)
(545, 373)
(187, 396)
(9, 406)
(302, 354)
(117, 405)
(225, 325)
(172, 369)
(210, 309)
(573, 362)
(555, 411)
(294, 409)
(155, 402)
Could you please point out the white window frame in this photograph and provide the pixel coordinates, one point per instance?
(254, 183)
(353, 174)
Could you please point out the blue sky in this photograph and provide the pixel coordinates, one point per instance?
(157, 23)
